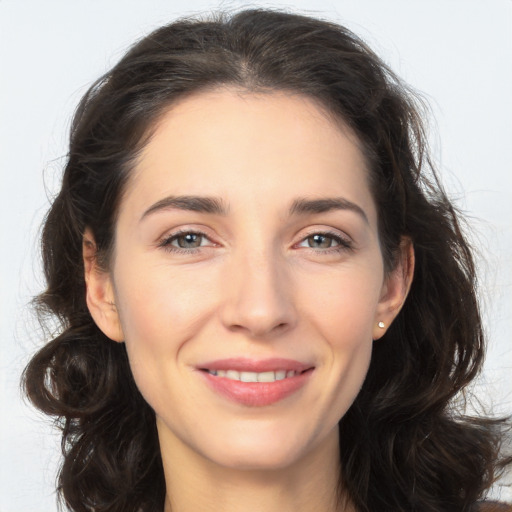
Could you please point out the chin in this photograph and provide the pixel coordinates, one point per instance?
(253, 452)
(248, 459)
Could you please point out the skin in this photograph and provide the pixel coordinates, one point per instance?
(259, 285)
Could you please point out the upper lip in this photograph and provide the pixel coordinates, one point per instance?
(243, 364)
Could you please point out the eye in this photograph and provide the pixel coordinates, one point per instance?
(188, 240)
(185, 241)
(328, 242)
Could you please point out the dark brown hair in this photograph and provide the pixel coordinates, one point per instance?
(403, 447)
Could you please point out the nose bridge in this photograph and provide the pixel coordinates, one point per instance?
(258, 299)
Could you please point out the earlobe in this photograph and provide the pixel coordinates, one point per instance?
(100, 296)
(395, 289)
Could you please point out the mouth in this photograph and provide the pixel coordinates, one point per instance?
(268, 376)
(256, 383)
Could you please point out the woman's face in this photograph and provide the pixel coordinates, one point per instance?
(247, 249)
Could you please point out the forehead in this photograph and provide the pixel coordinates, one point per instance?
(228, 142)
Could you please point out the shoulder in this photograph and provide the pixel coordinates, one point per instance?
(494, 506)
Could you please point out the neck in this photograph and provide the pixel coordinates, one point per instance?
(195, 483)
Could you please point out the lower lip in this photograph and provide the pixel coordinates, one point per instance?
(257, 394)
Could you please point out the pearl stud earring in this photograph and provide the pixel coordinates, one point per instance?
(381, 325)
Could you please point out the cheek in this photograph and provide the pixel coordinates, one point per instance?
(159, 307)
(344, 317)
(344, 304)
(345, 324)
(160, 310)
(157, 316)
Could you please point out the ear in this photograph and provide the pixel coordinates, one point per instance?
(396, 286)
(100, 291)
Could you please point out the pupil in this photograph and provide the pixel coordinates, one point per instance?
(321, 241)
(189, 240)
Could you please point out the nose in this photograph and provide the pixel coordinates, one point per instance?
(259, 296)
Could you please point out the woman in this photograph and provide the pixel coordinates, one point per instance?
(266, 297)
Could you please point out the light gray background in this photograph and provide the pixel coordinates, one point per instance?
(457, 52)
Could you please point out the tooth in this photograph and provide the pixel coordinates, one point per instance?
(248, 376)
(254, 376)
(266, 377)
(233, 374)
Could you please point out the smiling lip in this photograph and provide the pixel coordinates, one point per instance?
(256, 393)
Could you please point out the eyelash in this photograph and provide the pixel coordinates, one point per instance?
(167, 241)
(343, 243)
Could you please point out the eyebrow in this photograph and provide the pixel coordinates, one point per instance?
(199, 204)
(216, 206)
(304, 206)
